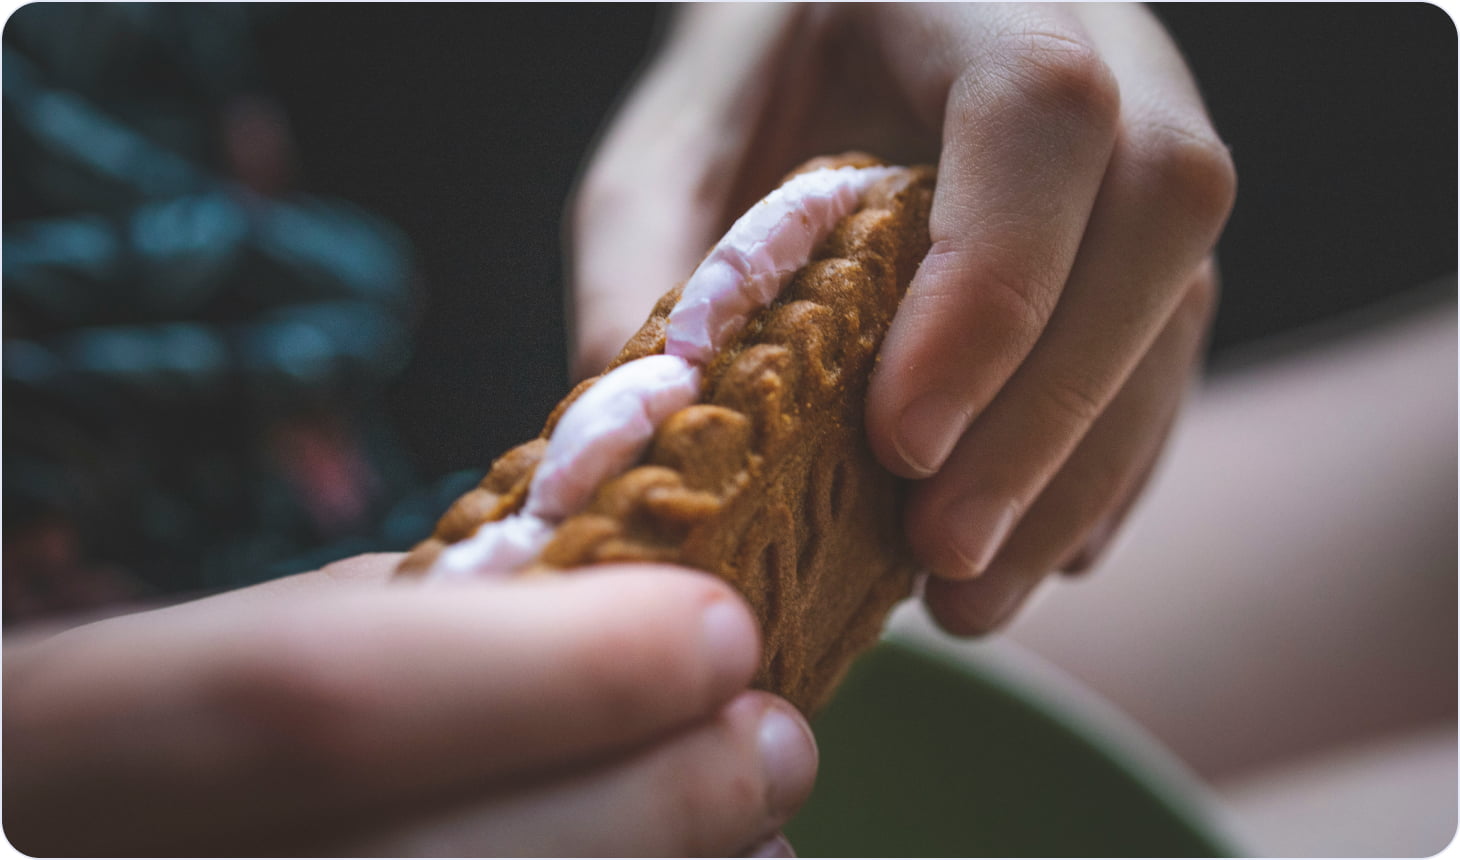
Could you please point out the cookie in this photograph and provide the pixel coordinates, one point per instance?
(728, 434)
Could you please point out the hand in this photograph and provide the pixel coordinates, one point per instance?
(601, 713)
(1038, 360)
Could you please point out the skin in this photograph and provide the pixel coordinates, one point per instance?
(1038, 360)
(1026, 384)
(604, 713)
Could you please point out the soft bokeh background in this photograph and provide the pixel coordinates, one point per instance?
(409, 165)
(279, 281)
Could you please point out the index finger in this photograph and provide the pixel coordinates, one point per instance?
(1029, 123)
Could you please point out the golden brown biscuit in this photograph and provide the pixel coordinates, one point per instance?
(768, 480)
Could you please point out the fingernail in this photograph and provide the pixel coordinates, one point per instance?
(927, 430)
(731, 641)
(788, 754)
(979, 527)
(776, 846)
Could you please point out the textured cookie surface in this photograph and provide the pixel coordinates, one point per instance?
(768, 481)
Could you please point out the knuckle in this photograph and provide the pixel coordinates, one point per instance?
(1072, 400)
(1002, 284)
(1062, 73)
(296, 704)
(1189, 172)
(713, 793)
(1013, 299)
(693, 804)
(1204, 291)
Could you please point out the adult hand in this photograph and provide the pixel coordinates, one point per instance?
(1039, 357)
(601, 713)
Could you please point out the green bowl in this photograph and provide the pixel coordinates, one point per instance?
(924, 756)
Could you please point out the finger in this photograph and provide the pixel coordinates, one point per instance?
(1111, 460)
(659, 187)
(315, 705)
(1099, 537)
(776, 846)
(715, 790)
(1165, 196)
(1028, 128)
(576, 664)
(1207, 279)
(369, 570)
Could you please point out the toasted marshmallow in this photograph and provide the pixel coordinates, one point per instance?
(747, 270)
(605, 431)
(497, 547)
(601, 435)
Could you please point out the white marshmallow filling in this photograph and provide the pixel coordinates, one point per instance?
(605, 431)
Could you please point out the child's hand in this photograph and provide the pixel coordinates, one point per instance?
(603, 713)
(1041, 353)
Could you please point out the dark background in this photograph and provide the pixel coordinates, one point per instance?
(359, 378)
(467, 124)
